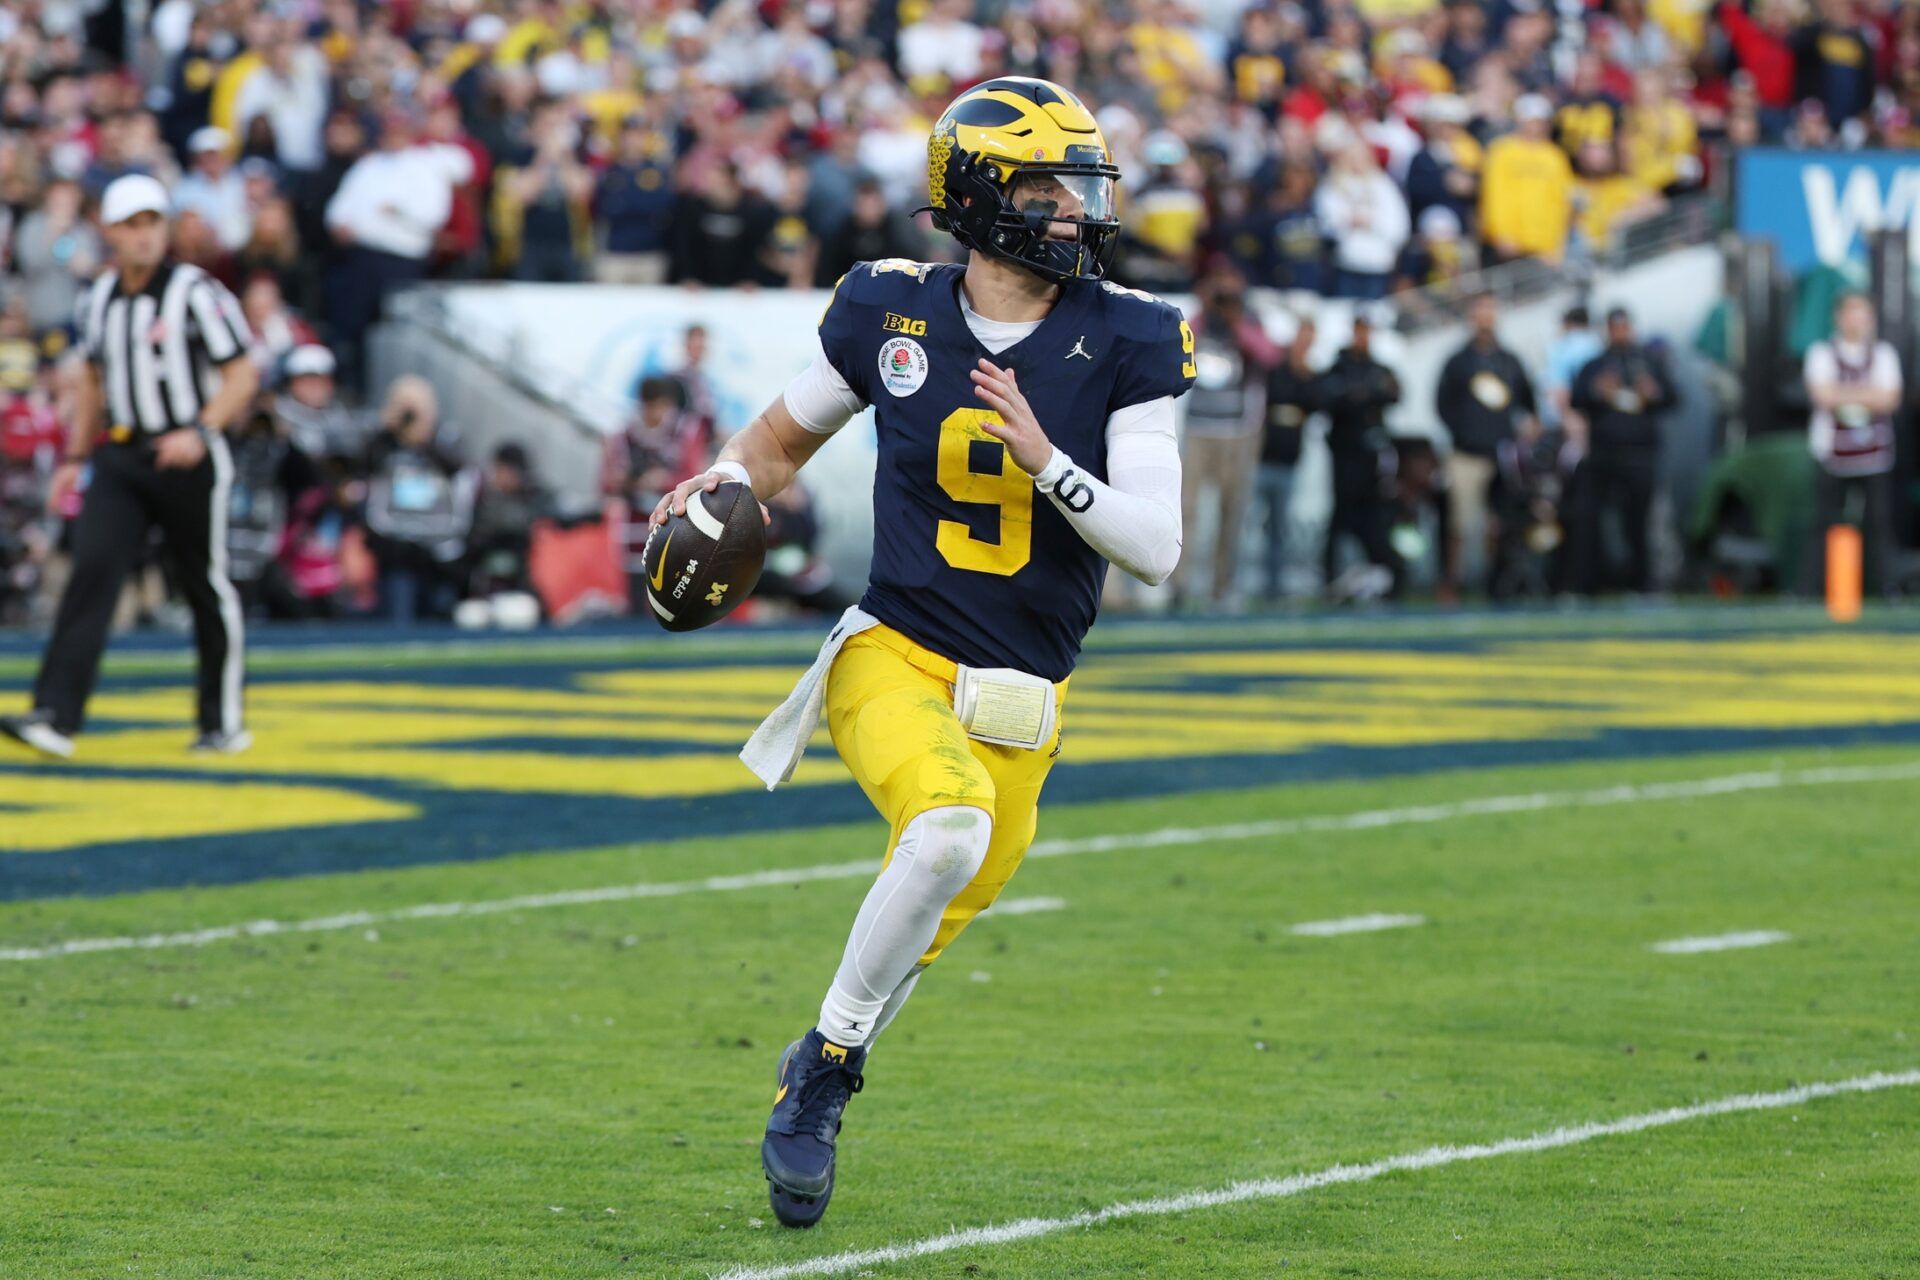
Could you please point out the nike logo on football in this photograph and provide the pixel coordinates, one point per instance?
(659, 579)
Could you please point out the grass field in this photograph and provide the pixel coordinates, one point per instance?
(483, 1038)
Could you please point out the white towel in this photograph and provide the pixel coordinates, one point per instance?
(774, 750)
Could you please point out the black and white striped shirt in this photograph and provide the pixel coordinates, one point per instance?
(159, 351)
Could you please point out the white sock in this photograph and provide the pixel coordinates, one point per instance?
(894, 1002)
(938, 855)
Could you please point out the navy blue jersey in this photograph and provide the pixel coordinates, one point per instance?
(969, 559)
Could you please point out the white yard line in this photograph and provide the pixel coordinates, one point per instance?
(1024, 906)
(1299, 1183)
(1354, 924)
(1483, 806)
(1721, 942)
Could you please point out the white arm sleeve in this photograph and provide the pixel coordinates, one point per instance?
(1133, 519)
(1820, 368)
(1884, 374)
(819, 398)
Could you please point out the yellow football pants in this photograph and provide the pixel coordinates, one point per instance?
(890, 710)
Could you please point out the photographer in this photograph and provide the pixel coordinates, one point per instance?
(1294, 394)
(1485, 399)
(308, 410)
(419, 506)
(1356, 393)
(270, 477)
(1621, 393)
(1231, 354)
(794, 569)
(500, 544)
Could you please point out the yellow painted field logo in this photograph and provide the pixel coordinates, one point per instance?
(429, 752)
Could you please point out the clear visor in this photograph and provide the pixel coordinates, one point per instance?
(1080, 196)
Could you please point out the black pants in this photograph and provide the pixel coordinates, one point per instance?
(1360, 509)
(356, 298)
(1875, 518)
(127, 496)
(1623, 486)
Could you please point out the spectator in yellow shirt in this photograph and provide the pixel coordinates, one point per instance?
(1588, 112)
(1659, 143)
(1607, 199)
(1385, 13)
(1166, 215)
(1257, 60)
(1404, 63)
(1171, 59)
(1684, 21)
(1526, 187)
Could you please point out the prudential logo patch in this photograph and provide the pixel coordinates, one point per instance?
(903, 366)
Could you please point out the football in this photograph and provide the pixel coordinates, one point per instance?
(700, 565)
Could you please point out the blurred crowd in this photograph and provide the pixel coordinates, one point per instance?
(339, 149)
(333, 511)
(322, 153)
(1547, 486)
(384, 512)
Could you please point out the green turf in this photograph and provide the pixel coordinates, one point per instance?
(470, 1097)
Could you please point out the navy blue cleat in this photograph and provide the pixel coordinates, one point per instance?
(817, 1077)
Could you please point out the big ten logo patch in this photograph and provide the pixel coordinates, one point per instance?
(896, 323)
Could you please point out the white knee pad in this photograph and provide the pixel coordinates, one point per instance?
(945, 848)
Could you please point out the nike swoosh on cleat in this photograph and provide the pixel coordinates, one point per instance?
(660, 574)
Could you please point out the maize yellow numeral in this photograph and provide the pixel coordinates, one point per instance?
(1010, 489)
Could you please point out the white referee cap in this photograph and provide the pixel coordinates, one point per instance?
(309, 358)
(134, 194)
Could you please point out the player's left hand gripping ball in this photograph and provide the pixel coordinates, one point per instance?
(701, 564)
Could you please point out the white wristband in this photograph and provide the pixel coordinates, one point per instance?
(728, 467)
(1057, 466)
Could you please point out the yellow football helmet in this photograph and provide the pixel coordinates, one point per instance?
(1017, 168)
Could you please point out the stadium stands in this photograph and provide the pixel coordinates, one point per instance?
(323, 155)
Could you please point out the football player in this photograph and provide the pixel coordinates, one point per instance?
(1024, 408)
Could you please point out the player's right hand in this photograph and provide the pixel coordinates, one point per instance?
(675, 503)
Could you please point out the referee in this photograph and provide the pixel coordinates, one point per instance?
(166, 351)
